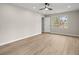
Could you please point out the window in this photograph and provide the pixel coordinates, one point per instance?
(60, 21)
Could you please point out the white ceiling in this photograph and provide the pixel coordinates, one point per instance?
(57, 7)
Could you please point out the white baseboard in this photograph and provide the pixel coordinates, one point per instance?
(18, 39)
(67, 34)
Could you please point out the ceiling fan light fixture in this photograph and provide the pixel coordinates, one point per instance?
(46, 9)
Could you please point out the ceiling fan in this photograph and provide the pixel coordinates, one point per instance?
(46, 7)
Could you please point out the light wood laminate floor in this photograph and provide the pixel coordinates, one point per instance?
(43, 44)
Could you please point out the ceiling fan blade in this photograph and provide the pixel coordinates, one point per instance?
(42, 8)
(50, 8)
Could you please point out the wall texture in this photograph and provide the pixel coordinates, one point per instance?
(73, 23)
(17, 23)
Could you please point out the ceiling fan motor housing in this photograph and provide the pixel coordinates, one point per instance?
(47, 4)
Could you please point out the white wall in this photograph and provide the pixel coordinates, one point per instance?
(17, 23)
(46, 24)
(73, 23)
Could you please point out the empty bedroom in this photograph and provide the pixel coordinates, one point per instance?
(39, 28)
